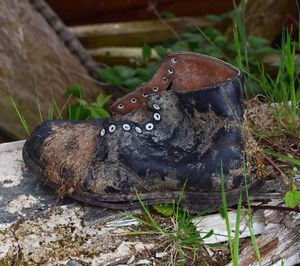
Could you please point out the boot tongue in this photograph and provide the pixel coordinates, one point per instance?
(183, 71)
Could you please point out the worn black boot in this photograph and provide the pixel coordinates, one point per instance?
(184, 126)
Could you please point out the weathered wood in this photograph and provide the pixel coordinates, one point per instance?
(119, 55)
(134, 33)
(76, 12)
(34, 61)
(124, 55)
(216, 223)
(279, 243)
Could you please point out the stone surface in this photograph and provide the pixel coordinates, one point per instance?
(38, 229)
(21, 193)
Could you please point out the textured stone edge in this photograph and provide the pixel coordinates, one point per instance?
(12, 146)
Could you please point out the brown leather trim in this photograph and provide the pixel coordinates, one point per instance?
(185, 70)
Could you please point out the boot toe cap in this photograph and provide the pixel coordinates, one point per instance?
(59, 152)
(32, 151)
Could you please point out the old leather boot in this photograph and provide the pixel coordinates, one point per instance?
(183, 126)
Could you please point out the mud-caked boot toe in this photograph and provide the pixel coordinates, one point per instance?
(59, 152)
(182, 128)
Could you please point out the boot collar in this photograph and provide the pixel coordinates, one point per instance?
(181, 72)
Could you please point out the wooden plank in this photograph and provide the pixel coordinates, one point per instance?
(123, 55)
(119, 55)
(76, 12)
(134, 33)
(279, 243)
(216, 223)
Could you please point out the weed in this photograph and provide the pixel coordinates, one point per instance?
(292, 197)
(22, 119)
(82, 110)
(179, 235)
(234, 245)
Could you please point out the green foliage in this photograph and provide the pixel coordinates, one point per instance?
(81, 109)
(124, 76)
(292, 197)
(147, 51)
(165, 210)
(21, 117)
(167, 15)
(282, 156)
(181, 236)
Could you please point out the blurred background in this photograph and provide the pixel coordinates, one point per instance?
(71, 58)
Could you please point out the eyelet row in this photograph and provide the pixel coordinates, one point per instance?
(127, 127)
(155, 88)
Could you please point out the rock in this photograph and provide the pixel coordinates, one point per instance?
(143, 262)
(160, 255)
(51, 232)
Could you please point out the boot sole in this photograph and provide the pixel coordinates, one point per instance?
(192, 201)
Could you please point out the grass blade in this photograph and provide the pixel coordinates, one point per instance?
(237, 232)
(225, 212)
(282, 157)
(22, 119)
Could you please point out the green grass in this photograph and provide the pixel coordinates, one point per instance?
(178, 235)
(174, 227)
(21, 117)
(233, 243)
(80, 110)
(282, 157)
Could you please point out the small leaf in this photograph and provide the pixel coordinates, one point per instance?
(110, 76)
(214, 18)
(160, 50)
(222, 212)
(167, 15)
(102, 100)
(145, 73)
(292, 197)
(164, 209)
(209, 234)
(74, 91)
(146, 51)
(132, 83)
(98, 112)
(124, 72)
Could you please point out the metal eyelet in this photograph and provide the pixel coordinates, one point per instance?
(170, 70)
(138, 130)
(126, 127)
(120, 106)
(149, 126)
(156, 106)
(111, 128)
(155, 88)
(102, 132)
(174, 60)
(165, 79)
(157, 116)
(145, 94)
(133, 100)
